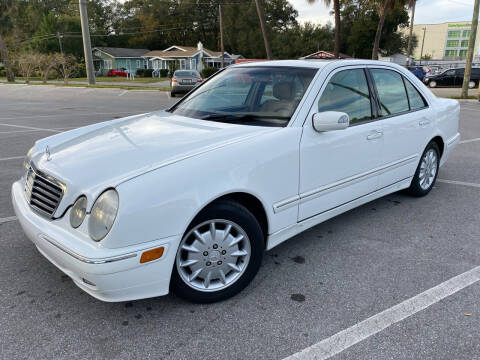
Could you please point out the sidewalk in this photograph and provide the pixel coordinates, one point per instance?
(449, 92)
(158, 84)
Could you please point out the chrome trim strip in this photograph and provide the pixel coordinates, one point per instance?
(85, 259)
(312, 194)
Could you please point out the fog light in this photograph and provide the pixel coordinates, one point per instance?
(152, 254)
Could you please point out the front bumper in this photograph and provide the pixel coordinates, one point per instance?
(106, 274)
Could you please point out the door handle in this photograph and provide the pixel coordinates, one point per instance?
(424, 122)
(375, 134)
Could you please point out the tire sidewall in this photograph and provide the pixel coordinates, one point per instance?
(471, 84)
(432, 83)
(415, 188)
(234, 212)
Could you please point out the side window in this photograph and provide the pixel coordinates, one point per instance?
(450, 72)
(391, 91)
(416, 100)
(347, 91)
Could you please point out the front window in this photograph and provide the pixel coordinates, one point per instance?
(262, 96)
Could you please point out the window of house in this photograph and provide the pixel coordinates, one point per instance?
(183, 64)
(347, 91)
(194, 64)
(138, 63)
(465, 43)
(450, 52)
(416, 100)
(108, 64)
(391, 91)
(463, 53)
(454, 33)
(466, 33)
(452, 43)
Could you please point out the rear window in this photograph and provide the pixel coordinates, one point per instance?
(391, 91)
(416, 100)
(186, 73)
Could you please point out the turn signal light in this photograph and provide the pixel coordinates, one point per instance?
(174, 80)
(152, 254)
(200, 80)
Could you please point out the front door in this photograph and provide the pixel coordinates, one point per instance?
(339, 166)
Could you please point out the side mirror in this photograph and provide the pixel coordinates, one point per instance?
(330, 120)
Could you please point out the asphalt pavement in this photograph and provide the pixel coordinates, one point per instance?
(310, 289)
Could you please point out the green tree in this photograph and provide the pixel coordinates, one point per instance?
(336, 12)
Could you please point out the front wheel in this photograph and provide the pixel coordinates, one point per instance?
(432, 83)
(471, 84)
(427, 171)
(219, 255)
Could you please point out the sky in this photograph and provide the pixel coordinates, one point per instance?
(426, 11)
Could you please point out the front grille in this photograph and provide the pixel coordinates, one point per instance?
(43, 192)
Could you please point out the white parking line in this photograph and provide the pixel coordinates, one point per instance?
(463, 183)
(123, 93)
(12, 158)
(7, 219)
(63, 114)
(469, 141)
(346, 338)
(30, 127)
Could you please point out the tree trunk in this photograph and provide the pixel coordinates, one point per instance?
(6, 60)
(471, 45)
(336, 9)
(381, 13)
(409, 49)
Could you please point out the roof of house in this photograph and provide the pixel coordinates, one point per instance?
(180, 51)
(122, 52)
(325, 55)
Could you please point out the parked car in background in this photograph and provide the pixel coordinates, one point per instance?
(184, 80)
(453, 78)
(118, 72)
(188, 199)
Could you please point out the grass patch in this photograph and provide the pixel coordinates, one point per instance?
(471, 97)
(98, 79)
(106, 86)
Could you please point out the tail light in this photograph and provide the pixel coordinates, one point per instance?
(200, 80)
(174, 80)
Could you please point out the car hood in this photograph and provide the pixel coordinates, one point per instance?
(105, 155)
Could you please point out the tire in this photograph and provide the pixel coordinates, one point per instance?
(432, 83)
(421, 184)
(471, 84)
(172, 94)
(215, 255)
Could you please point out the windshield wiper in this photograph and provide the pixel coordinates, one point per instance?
(242, 117)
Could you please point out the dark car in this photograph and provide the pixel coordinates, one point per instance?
(453, 78)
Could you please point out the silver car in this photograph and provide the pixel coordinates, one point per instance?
(184, 80)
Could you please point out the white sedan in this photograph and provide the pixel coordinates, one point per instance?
(188, 199)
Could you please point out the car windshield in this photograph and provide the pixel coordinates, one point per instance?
(186, 73)
(262, 96)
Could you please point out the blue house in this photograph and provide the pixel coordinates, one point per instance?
(107, 58)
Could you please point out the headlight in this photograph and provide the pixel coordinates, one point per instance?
(103, 214)
(77, 214)
(28, 158)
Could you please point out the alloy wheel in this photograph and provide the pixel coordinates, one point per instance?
(428, 169)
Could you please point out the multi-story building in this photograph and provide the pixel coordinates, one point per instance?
(447, 41)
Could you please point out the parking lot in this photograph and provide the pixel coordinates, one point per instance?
(333, 289)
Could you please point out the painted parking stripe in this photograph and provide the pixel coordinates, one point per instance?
(463, 183)
(39, 129)
(12, 158)
(123, 93)
(346, 338)
(63, 114)
(469, 141)
(7, 219)
(30, 127)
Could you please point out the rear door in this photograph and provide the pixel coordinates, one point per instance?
(459, 74)
(406, 122)
(337, 167)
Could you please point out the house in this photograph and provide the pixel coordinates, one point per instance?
(188, 58)
(107, 58)
(325, 55)
(399, 59)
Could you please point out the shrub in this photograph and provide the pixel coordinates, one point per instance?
(208, 71)
(163, 73)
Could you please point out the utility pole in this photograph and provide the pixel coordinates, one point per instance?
(423, 42)
(409, 50)
(471, 47)
(60, 42)
(222, 48)
(87, 47)
(261, 17)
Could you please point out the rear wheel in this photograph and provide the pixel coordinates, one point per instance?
(427, 171)
(471, 84)
(219, 255)
(432, 83)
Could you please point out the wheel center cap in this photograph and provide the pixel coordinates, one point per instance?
(214, 256)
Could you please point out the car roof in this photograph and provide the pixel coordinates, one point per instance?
(313, 63)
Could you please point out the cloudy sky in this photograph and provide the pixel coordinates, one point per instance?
(426, 11)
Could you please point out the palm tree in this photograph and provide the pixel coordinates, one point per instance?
(383, 7)
(336, 11)
(411, 5)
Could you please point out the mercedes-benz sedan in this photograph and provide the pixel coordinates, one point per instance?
(189, 198)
